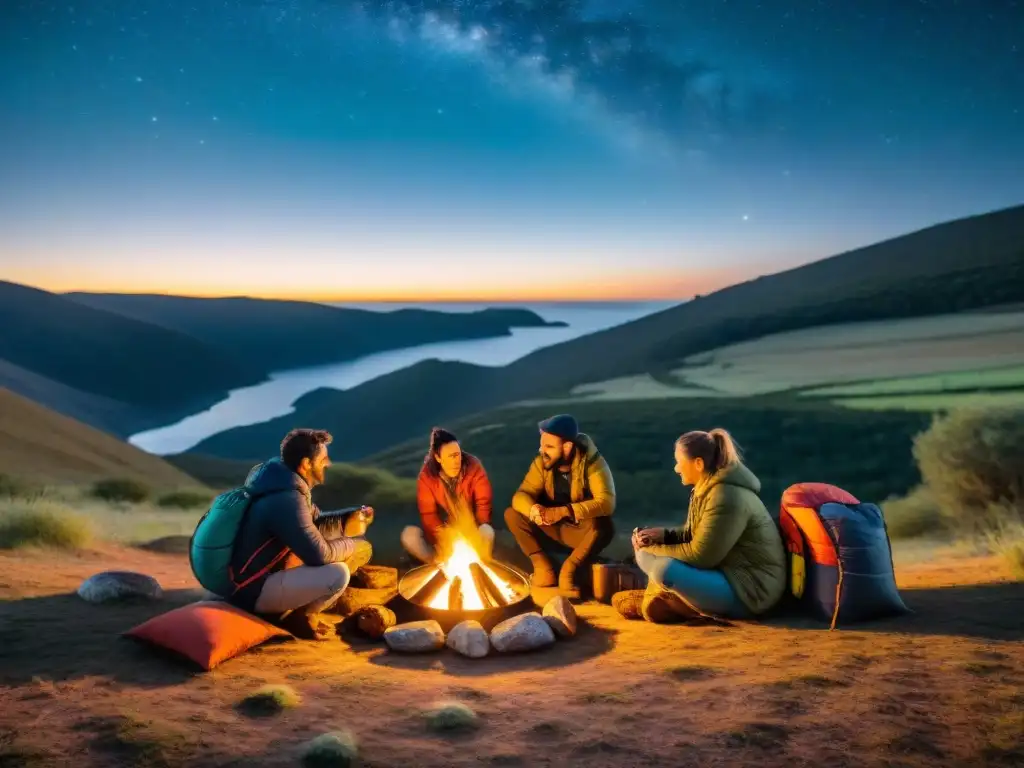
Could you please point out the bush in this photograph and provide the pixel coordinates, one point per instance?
(451, 717)
(337, 749)
(18, 488)
(43, 526)
(121, 489)
(972, 461)
(914, 515)
(185, 499)
(270, 700)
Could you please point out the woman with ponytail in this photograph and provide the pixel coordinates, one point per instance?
(727, 560)
(452, 492)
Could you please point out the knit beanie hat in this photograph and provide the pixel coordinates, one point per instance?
(563, 425)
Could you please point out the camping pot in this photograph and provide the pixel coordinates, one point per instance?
(610, 578)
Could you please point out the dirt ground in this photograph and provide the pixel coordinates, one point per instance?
(944, 686)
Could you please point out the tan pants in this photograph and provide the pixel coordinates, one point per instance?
(312, 588)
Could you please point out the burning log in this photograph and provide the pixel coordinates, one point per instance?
(455, 595)
(429, 591)
(489, 592)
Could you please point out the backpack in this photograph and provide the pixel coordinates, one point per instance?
(213, 543)
(838, 554)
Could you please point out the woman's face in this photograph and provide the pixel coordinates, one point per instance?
(450, 458)
(689, 470)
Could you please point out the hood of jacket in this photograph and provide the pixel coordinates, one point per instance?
(274, 475)
(737, 474)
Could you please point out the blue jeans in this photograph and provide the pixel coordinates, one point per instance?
(706, 590)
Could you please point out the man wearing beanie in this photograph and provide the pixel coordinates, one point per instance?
(566, 500)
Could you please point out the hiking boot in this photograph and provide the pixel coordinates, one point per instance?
(567, 581)
(629, 603)
(543, 573)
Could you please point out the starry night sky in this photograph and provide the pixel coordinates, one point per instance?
(491, 148)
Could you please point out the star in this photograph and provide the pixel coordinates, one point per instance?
(153, 118)
(745, 217)
(138, 79)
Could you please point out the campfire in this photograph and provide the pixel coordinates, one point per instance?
(465, 578)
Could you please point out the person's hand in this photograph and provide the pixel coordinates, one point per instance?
(646, 537)
(368, 514)
(551, 515)
(537, 514)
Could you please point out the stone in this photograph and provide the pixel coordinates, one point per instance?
(119, 585)
(374, 620)
(469, 638)
(375, 577)
(415, 637)
(525, 632)
(560, 616)
(354, 598)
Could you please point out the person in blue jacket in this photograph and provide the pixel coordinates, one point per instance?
(281, 527)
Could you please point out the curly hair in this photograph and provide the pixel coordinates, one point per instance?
(302, 444)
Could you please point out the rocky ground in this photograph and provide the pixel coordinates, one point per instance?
(944, 686)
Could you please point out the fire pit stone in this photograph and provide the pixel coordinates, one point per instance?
(470, 639)
(415, 637)
(560, 616)
(525, 632)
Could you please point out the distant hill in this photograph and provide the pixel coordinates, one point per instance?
(277, 335)
(144, 368)
(43, 446)
(965, 264)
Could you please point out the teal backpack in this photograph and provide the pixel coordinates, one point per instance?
(213, 542)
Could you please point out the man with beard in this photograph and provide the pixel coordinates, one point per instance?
(286, 558)
(568, 495)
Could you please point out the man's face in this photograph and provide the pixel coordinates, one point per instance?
(553, 450)
(316, 468)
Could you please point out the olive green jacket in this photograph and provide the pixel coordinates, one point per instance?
(592, 487)
(728, 528)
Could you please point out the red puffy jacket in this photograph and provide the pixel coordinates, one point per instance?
(472, 485)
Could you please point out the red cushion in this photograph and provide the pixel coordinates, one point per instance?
(206, 632)
(813, 495)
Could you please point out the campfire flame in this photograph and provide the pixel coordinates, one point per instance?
(459, 547)
(456, 568)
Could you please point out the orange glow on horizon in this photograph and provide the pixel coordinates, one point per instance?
(633, 287)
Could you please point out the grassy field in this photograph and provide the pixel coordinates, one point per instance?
(956, 360)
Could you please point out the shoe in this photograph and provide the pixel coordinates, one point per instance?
(543, 573)
(567, 581)
(629, 604)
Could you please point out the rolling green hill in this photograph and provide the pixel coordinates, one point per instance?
(278, 335)
(966, 264)
(784, 442)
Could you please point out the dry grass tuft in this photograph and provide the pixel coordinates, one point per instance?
(270, 700)
(337, 749)
(42, 524)
(451, 717)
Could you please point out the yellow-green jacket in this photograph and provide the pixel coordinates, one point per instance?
(592, 486)
(728, 528)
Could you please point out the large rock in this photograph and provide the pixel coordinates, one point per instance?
(375, 577)
(415, 637)
(470, 639)
(525, 632)
(354, 598)
(561, 616)
(119, 585)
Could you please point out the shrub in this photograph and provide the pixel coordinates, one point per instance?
(337, 749)
(971, 461)
(121, 489)
(270, 700)
(43, 526)
(451, 717)
(1008, 542)
(914, 515)
(18, 488)
(185, 499)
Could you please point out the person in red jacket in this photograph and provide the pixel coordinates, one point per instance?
(452, 490)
